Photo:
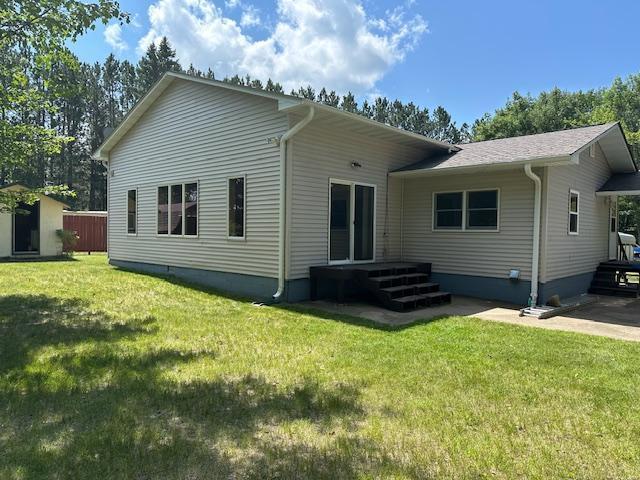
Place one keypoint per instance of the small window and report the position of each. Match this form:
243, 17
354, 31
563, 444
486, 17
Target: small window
176, 209
191, 209
482, 210
236, 207
574, 212
448, 211
163, 210
132, 209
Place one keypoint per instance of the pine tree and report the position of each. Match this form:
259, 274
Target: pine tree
273, 87
148, 70
349, 103
111, 77
167, 60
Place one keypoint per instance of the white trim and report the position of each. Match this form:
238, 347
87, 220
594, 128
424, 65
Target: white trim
512, 165
618, 193
243, 176
465, 198
576, 213
85, 213
352, 206
135, 233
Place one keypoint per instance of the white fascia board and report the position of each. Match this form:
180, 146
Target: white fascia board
535, 162
630, 193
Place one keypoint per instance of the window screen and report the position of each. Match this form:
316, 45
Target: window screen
482, 210
191, 209
176, 210
448, 211
132, 210
236, 207
163, 210
574, 212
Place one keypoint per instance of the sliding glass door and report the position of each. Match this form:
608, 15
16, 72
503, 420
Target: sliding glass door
351, 222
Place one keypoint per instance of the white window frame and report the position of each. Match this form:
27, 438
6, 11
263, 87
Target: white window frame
135, 234
183, 234
352, 203
576, 213
465, 196
244, 208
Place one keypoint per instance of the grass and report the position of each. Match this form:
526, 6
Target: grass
106, 373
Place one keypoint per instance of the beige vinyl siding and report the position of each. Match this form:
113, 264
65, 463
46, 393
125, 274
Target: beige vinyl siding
485, 254
5, 234
50, 222
568, 255
199, 133
320, 152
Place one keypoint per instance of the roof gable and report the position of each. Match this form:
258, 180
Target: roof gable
286, 103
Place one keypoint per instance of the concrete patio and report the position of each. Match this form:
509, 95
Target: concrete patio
609, 317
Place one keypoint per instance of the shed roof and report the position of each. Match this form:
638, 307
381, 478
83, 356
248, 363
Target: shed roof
542, 148
20, 187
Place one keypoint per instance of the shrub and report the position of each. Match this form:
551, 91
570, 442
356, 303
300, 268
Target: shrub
69, 240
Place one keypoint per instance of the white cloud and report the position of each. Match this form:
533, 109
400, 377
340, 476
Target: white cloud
332, 43
113, 36
250, 16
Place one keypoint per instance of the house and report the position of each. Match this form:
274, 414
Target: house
246, 190
31, 232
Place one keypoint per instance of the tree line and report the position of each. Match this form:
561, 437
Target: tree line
55, 110
558, 109
88, 99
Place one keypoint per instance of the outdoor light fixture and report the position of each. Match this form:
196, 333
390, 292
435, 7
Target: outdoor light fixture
514, 275
356, 165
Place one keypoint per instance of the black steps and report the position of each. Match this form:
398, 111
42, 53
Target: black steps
616, 279
403, 289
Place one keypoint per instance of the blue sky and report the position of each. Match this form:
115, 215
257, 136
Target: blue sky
467, 56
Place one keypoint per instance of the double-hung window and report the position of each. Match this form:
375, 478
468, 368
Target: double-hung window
448, 210
132, 212
482, 210
475, 210
236, 204
574, 212
178, 209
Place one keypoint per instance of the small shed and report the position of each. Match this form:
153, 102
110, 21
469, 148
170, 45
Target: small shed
31, 234
91, 228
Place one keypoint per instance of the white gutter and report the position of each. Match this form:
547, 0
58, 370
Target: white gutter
535, 261
282, 217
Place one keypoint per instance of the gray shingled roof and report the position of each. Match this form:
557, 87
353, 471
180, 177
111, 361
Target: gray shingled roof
622, 182
514, 149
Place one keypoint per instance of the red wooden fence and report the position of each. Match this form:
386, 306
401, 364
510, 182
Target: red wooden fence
91, 227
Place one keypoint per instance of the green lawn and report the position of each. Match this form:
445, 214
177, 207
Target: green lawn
110, 374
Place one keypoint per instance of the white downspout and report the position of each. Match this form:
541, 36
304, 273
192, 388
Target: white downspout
535, 261
282, 217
